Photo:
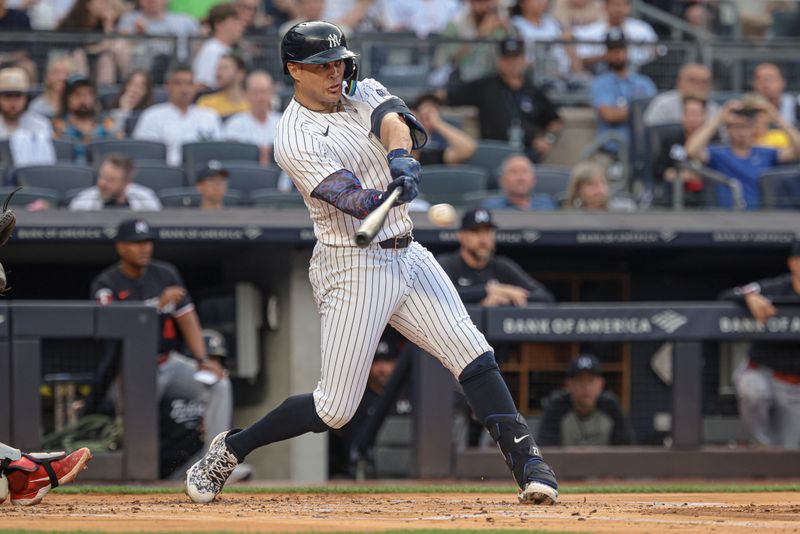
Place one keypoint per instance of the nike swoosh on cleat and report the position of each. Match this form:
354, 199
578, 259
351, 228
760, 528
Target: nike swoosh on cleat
517, 440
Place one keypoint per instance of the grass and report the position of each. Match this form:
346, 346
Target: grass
506, 488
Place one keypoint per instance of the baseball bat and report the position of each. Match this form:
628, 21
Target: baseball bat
373, 222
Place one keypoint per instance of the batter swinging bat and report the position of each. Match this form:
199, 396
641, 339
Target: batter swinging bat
374, 221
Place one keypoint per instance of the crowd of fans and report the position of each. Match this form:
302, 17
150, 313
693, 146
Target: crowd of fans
210, 91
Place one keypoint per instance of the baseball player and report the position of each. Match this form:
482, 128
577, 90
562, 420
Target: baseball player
346, 146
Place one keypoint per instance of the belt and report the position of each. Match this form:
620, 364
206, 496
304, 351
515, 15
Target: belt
396, 242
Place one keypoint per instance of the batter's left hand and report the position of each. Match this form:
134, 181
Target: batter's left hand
402, 164
410, 190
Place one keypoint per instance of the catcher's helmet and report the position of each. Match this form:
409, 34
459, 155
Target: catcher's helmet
317, 42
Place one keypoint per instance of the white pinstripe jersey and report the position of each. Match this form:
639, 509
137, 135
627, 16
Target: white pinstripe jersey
310, 146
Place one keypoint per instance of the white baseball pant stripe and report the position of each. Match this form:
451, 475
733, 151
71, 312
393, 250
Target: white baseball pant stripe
359, 291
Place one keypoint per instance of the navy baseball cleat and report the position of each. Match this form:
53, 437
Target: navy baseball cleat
205, 479
536, 480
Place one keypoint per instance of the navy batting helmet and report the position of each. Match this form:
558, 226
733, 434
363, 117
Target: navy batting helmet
317, 42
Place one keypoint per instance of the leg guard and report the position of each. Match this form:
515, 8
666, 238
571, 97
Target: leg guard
536, 480
35, 474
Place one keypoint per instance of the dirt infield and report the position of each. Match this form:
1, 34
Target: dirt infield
650, 512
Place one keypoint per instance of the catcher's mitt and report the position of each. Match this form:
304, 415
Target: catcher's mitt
8, 220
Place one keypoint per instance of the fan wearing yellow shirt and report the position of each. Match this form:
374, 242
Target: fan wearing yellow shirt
230, 98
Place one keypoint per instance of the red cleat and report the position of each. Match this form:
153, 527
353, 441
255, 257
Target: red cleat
35, 474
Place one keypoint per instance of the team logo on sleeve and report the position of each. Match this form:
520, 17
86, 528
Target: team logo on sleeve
104, 296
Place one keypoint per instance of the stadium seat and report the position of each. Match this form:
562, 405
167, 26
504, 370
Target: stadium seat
780, 187
448, 183
195, 155
133, 148
272, 198
26, 195
159, 177
65, 151
489, 155
61, 178
552, 180
247, 179
188, 197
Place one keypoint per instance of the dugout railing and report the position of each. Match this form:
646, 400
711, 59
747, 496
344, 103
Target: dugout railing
40, 339
687, 325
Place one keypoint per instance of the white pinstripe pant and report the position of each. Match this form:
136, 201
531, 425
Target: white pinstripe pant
359, 291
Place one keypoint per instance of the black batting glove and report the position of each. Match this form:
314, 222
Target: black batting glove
402, 164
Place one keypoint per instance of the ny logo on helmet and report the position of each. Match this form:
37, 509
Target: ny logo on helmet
334, 40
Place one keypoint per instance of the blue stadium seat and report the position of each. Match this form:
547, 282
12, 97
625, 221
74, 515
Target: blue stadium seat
247, 179
65, 151
133, 148
195, 155
552, 180
448, 183
159, 177
780, 187
489, 155
272, 198
61, 178
26, 195
188, 197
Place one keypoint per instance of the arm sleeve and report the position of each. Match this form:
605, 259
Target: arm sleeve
173, 278
344, 191
372, 93
511, 273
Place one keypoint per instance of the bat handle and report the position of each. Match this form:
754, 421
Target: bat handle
374, 221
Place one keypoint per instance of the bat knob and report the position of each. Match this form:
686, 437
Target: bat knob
362, 239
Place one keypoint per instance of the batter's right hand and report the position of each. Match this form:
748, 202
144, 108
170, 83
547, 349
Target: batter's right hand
410, 190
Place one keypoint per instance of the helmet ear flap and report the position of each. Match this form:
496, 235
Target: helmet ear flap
350, 69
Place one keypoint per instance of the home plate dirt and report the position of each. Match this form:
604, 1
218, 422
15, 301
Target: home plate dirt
644, 512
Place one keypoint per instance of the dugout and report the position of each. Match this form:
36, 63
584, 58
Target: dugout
581, 257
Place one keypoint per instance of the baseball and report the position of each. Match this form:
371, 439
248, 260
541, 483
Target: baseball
442, 214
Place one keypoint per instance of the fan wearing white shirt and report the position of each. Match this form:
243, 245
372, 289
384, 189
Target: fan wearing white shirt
178, 121
115, 189
256, 126
617, 16
226, 29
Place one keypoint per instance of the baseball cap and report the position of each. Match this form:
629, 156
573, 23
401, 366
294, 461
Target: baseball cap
14, 80
512, 47
615, 39
75, 81
585, 363
132, 230
210, 169
795, 248
215, 343
476, 218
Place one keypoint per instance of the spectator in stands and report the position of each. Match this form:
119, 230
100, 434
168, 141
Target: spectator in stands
152, 18
670, 151
13, 19
693, 80
178, 121
768, 384
480, 276
136, 96
81, 123
182, 398
446, 144
251, 15
423, 17
572, 13
614, 91
229, 97
226, 30
115, 189
766, 135
59, 68
257, 124
584, 413
768, 81
518, 181
28, 133
741, 160
510, 107
212, 184
588, 190
477, 20
306, 10
354, 14
535, 24
617, 18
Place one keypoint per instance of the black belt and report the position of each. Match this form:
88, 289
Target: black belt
396, 242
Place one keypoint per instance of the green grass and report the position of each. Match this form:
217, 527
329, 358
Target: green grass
506, 488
